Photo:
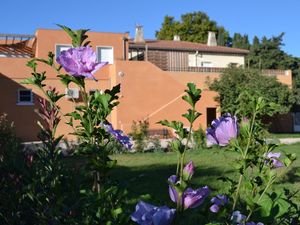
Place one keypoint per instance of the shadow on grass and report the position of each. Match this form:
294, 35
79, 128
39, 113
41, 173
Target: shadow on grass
150, 182
292, 176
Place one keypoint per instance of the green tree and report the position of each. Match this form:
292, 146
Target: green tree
235, 81
192, 27
240, 41
170, 28
267, 53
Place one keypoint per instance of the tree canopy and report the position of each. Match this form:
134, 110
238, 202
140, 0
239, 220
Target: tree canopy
240, 41
192, 27
264, 53
235, 81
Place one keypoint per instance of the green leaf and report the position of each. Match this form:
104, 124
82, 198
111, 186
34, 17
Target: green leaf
32, 64
265, 204
177, 126
193, 94
117, 212
191, 115
78, 37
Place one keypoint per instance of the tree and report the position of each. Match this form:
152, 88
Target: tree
240, 41
235, 81
170, 28
267, 53
193, 27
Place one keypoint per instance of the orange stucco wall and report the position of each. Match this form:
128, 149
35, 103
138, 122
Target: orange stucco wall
153, 94
24, 116
147, 92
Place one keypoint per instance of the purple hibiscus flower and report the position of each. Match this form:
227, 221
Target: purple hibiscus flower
147, 214
238, 217
218, 202
253, 223
273, 157
118, 135
222, 131
193, 198
190, 198
188, 171
172, 192
80, 61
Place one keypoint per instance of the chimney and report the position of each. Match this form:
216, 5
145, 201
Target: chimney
139, 34
211, 40
176, 38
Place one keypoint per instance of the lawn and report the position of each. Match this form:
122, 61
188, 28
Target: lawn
284, 135
147, 173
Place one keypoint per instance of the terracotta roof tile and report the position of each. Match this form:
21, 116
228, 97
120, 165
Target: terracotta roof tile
186, 46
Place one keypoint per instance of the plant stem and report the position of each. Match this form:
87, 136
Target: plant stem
260, 197
237, 192
54, 105
86, 102
178, 163
244, 157
185, 148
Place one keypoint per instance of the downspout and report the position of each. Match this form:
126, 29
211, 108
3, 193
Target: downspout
125, 39
146, 52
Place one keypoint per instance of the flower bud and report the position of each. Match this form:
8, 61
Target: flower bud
188, 171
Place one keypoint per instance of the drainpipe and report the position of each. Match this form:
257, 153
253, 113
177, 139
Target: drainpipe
146, 52
125, 39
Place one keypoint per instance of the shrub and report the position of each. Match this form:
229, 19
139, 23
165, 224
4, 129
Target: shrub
139, 134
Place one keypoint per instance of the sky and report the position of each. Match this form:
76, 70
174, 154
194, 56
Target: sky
253, 17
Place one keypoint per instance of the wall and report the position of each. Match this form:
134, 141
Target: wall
48, 39
179, 60
221, 60
147, 92
24, 116
150, 93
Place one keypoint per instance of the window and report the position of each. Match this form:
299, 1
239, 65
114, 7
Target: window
105, 54
92, 91
72, 93
233, 65
206, 64
60, 48
25, 97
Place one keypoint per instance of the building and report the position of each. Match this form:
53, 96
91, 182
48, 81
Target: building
152, 73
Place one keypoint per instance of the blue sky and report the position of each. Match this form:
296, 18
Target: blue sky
252, 17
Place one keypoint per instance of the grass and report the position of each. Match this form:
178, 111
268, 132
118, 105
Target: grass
284, 135
146, 174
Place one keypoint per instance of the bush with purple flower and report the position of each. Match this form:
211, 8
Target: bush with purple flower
118, 135
147, 214
80, 61
100, 199
222, 130
273, 158
218, 202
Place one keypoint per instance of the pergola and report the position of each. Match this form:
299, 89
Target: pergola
16, 45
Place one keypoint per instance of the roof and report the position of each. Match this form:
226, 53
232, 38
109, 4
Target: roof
186, 46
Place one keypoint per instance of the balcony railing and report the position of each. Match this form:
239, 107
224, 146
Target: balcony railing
197, 69
220, 70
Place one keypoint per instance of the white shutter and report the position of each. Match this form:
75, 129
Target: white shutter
105, 54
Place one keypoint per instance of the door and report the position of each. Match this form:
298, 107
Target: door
211, 115
297, 122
